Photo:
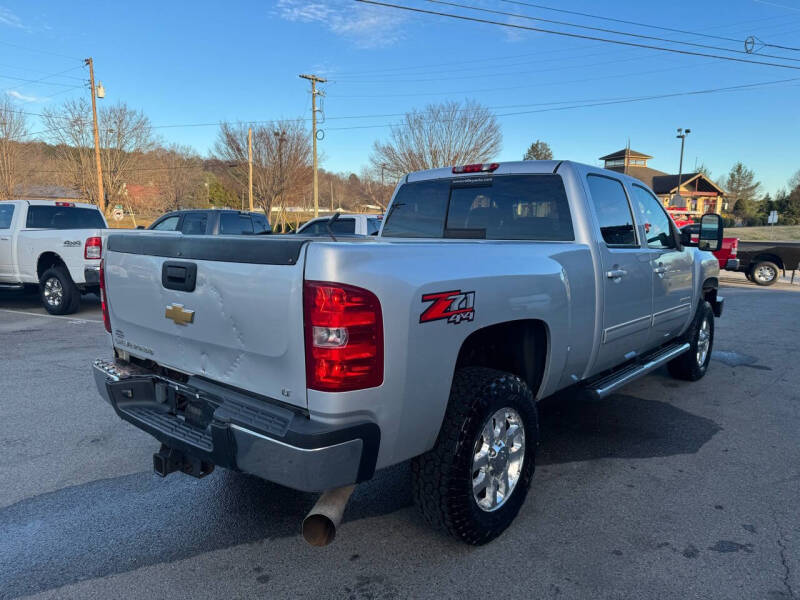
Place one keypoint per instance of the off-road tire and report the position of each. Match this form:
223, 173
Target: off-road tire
442, 477
70, 294
687, 366
767, 265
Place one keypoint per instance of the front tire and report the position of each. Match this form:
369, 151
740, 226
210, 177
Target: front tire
59, 294
475, 479
765, 273
692, 365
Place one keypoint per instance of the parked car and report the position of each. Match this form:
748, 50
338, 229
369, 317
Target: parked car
727, 255
345, 224
212, 222
56, 246
313, 362
762, 262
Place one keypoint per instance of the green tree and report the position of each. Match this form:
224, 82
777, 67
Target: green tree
538, 150
742, 189
221, 196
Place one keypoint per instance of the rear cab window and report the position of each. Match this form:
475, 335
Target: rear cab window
231, 223
501, 207
63, 217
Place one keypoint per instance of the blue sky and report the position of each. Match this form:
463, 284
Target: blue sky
202, 62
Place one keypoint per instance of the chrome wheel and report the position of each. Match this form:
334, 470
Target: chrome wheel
765, 274
703, 342
53, 292
497, 459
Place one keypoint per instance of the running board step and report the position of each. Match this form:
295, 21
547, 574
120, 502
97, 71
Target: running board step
603, 387
12, 286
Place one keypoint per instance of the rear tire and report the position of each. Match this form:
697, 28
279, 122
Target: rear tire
692, 365
59, 294
765, 273
475, 479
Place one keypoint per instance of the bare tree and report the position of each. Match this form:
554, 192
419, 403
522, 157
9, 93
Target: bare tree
124, 133
281, 157
439, 135
179, 175
13, 128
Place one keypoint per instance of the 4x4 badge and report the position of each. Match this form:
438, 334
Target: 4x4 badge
180, 315
454, 306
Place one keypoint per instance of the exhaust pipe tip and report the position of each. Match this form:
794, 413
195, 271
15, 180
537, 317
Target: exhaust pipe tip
318, 530
319, 526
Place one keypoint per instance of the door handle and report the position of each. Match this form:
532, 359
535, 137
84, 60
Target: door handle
660, 270
5, 239
616, 273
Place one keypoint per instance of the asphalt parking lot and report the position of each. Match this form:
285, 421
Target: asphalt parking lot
666, 490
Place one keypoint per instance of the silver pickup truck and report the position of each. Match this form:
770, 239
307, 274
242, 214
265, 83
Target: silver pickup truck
312, 362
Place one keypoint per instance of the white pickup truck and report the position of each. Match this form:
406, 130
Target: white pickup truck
55, 245
311, 362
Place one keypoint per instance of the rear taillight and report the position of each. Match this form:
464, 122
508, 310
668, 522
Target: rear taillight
93, 248
476, 168
104, 298
735, 247
344, 337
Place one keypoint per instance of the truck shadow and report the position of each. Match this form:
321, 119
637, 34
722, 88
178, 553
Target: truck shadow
117, 525
621, 426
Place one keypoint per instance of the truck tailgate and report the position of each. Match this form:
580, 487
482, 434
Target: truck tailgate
241, 324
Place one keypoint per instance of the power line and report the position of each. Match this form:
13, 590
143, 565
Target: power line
611, 19
604, 30
40, 51
58, 83
42, 79
576, 35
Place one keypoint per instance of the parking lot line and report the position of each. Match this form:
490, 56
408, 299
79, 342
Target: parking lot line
33, 314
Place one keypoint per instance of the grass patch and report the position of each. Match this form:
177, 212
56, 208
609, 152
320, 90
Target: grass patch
766, 232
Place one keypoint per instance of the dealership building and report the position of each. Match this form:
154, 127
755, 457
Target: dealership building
700, 194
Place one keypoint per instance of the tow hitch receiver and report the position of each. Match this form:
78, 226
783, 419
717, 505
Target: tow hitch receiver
168, 460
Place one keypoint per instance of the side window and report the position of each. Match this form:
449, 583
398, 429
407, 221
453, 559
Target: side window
373, 226
194, 224
168, 224
6, 214
657, 228
232, 223
613, 210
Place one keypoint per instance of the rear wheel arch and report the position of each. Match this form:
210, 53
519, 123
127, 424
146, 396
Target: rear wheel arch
48, 260
767, 257
517, 347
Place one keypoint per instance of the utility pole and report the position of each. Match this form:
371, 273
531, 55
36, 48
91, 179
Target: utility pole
682, 133
250, 165
314, 81
101, 198
281, 137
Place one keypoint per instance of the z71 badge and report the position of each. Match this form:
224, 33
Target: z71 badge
455, 306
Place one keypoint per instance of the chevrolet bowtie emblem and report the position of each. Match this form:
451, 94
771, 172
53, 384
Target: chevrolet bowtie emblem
180, 315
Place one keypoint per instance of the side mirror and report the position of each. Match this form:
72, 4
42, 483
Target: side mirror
710, 233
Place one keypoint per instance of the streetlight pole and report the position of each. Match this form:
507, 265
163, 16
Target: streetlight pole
97, 93
682, 133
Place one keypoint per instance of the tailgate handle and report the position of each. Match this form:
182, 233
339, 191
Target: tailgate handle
177, 275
